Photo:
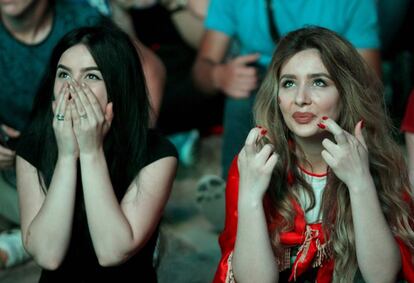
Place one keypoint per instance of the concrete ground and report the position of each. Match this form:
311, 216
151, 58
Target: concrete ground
189, 250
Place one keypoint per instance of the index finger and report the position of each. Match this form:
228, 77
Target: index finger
336, 130
246, 59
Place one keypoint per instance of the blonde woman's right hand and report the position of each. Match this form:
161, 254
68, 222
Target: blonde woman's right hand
62, 124
255, 165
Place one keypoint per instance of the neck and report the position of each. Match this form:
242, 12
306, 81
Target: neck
312, 148
32, 25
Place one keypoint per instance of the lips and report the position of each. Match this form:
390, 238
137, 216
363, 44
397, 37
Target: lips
303, 117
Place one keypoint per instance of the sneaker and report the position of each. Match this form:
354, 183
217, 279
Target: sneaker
210, 199
186, 144
12, 252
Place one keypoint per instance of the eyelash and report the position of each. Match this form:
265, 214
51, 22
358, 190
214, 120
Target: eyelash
320, 81
62, 74
95, 77
316, 82
65, 75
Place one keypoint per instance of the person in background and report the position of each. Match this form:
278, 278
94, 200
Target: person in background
99, 178
172, 29
319, 191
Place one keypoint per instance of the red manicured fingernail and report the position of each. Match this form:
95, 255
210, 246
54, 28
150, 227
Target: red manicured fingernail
362, 124
325, 118
322, 126
263, 132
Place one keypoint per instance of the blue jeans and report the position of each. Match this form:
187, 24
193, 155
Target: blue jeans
237, 122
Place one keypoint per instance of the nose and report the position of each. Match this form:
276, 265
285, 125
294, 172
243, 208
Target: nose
302, 96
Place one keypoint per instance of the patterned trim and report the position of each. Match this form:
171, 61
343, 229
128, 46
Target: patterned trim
230, 275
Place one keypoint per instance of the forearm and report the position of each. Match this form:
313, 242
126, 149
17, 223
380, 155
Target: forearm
110, 231
377, 251
205, 74
155, 76
253, 259
48, 235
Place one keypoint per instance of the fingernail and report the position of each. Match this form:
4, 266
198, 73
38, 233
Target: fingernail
322, 126
362, 124
325, 118
263, 132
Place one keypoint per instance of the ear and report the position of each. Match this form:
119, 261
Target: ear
109, 113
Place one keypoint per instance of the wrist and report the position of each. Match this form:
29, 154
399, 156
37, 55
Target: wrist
67, 158
216, 76
250, 201
91, 155
363, 185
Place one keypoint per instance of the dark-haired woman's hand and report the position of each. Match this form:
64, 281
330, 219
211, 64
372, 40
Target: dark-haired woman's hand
255, 165
90, 123
348, 157
62, 125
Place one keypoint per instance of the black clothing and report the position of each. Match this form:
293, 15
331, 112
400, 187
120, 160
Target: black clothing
81, 263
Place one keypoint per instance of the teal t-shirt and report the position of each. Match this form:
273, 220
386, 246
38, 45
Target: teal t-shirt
247, 22
22, 66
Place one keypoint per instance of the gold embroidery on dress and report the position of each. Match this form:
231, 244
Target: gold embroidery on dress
230, 275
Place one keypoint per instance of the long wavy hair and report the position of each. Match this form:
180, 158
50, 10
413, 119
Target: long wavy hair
361, 97
126, 142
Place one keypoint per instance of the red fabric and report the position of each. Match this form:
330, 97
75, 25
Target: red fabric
407, 124
227, 238
307, 255
296, 237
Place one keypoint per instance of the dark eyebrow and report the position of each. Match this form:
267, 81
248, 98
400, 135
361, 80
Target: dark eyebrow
60, 66
83, 70
320, 75
316, 75
287, 76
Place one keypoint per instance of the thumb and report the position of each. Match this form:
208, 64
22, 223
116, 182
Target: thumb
10, 131
358, 133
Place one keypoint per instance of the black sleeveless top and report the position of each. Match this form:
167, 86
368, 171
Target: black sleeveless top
80, 263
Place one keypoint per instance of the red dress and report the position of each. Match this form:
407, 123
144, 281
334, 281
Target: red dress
313, 249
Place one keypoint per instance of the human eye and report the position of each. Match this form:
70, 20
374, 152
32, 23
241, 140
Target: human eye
91, 76
287, 83
319, 82
63, 75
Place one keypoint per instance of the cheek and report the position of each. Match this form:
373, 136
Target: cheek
332, 107
57, 88
284, 103
100, 94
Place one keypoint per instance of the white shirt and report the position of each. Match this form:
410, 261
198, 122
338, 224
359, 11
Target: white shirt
318, 183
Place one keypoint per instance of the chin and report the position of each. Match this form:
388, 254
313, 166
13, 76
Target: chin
305, 131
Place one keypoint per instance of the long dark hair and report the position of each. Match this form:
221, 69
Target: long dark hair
126, 142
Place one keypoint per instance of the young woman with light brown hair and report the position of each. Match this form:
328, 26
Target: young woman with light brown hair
319, 191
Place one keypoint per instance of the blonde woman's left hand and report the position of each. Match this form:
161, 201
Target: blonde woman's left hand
90, 123
348, 157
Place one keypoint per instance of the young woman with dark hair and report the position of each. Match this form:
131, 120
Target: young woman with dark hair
319, 191
93, 180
